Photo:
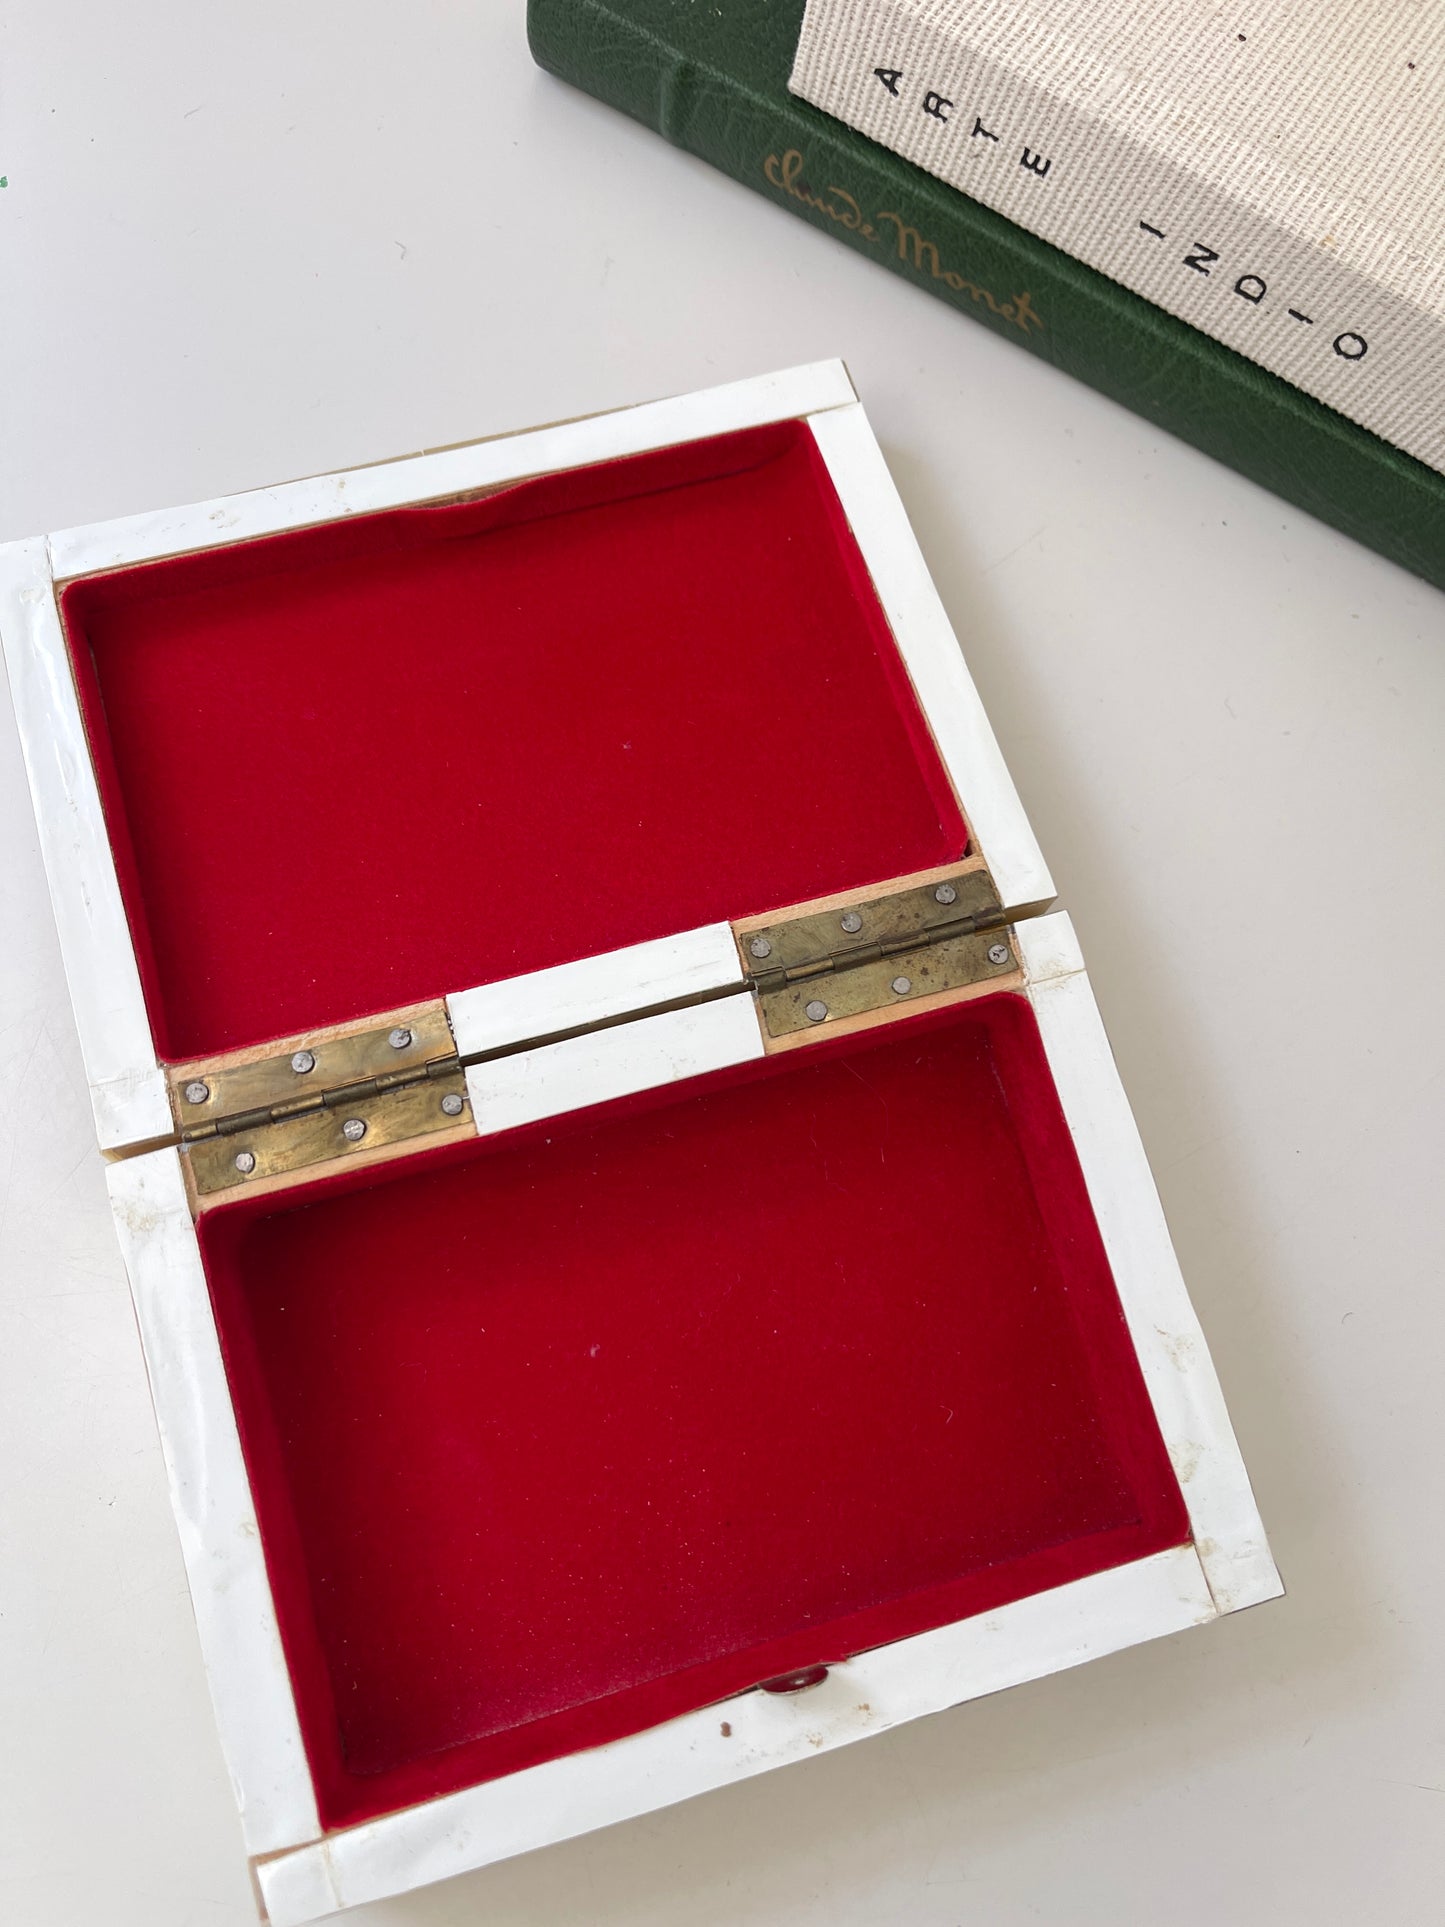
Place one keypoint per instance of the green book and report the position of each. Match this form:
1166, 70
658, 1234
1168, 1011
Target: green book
711, 76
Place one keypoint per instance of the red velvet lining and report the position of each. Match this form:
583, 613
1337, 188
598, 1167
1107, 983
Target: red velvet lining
366, 764
556, 1437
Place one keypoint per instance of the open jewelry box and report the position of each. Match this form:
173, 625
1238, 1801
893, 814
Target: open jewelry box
645, 1265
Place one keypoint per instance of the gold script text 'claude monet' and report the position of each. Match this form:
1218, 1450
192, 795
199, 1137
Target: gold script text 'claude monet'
914, 250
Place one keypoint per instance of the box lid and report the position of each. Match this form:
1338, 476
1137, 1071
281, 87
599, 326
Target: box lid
352, 744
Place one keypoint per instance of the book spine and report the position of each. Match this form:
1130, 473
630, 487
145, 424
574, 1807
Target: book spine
686, 79
912, 77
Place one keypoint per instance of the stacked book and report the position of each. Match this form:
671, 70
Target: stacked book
1230, 218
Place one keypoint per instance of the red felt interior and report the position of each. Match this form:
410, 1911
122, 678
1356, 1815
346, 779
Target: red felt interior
558, 1436
376, 762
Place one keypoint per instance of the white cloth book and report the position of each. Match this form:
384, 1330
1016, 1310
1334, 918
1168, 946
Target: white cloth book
1272, 173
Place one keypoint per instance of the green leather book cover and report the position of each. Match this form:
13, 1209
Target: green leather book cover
712, 78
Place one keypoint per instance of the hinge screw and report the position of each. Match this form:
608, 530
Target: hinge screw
452, 1104
998, 953
400, 1039
760, 947
901, 986
245, 1162
945, 893
354, 1130
303, 1061
851, 922
815, 1012
196, 1092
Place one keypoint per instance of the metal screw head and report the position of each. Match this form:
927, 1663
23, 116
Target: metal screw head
760, 947
815, 1012
945, 893
303, 1061
354, 1130
901, 986
452, 1104
998, 953
851, 921
400, 1038
196, 1092
245, 1162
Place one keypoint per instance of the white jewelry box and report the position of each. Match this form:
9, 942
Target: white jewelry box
645, 1266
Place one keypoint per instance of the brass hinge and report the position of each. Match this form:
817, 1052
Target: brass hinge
337, 1095
886, 951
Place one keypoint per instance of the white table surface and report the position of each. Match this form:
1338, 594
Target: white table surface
242, 244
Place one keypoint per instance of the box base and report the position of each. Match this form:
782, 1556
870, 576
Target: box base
556, 1437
